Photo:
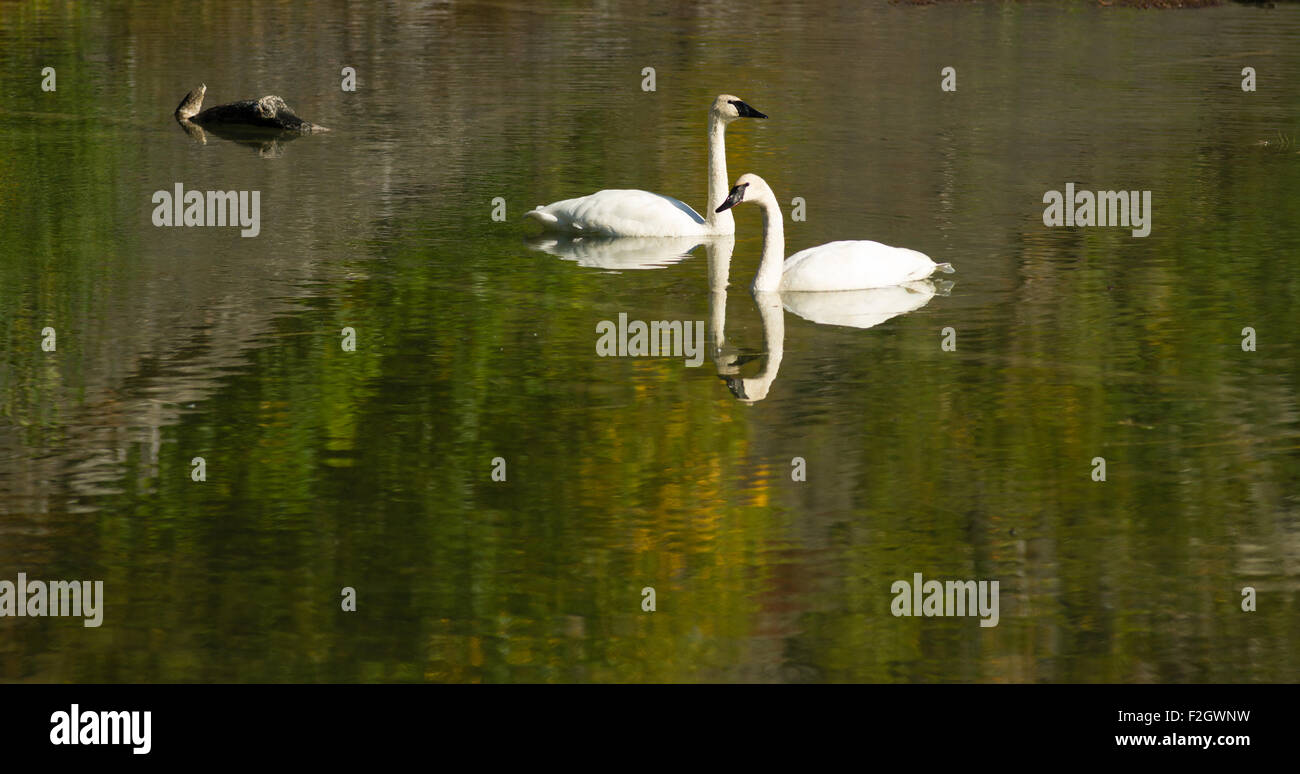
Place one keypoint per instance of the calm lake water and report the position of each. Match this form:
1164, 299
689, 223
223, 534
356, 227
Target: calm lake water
373, 469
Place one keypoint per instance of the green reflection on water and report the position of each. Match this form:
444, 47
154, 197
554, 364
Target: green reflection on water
371, 469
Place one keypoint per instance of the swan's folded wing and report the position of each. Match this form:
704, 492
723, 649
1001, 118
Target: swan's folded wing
621, 212
854, 264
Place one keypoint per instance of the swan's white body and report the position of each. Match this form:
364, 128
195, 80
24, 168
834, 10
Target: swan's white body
626, 212
620, 212
846, 265
857, 265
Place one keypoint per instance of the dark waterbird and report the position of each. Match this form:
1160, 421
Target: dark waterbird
259, 122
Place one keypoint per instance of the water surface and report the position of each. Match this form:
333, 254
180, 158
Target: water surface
371, 469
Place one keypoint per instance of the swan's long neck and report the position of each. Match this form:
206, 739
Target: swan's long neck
772, 263
719, 184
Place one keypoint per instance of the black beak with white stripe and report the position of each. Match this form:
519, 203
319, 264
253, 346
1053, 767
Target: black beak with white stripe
736, 196
745, 110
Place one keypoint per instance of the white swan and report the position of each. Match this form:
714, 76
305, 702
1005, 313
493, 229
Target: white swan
625, 212
849, 308
848, 265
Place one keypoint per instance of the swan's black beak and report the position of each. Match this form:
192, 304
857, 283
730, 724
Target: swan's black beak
736, 196
736, 385
745, 110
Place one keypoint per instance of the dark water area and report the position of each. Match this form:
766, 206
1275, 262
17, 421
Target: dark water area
372, 469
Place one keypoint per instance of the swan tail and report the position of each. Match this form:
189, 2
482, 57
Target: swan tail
542, 216
551, 222
946, 268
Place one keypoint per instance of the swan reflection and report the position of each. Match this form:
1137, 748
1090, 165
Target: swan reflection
618, 253
862, 308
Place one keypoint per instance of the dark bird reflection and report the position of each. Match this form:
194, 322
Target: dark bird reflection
267, 142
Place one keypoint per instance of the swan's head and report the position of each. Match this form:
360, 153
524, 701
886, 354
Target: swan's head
748, 188
729, 108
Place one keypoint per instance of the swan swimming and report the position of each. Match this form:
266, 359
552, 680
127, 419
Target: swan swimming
846, 265
626, 212
864, 308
